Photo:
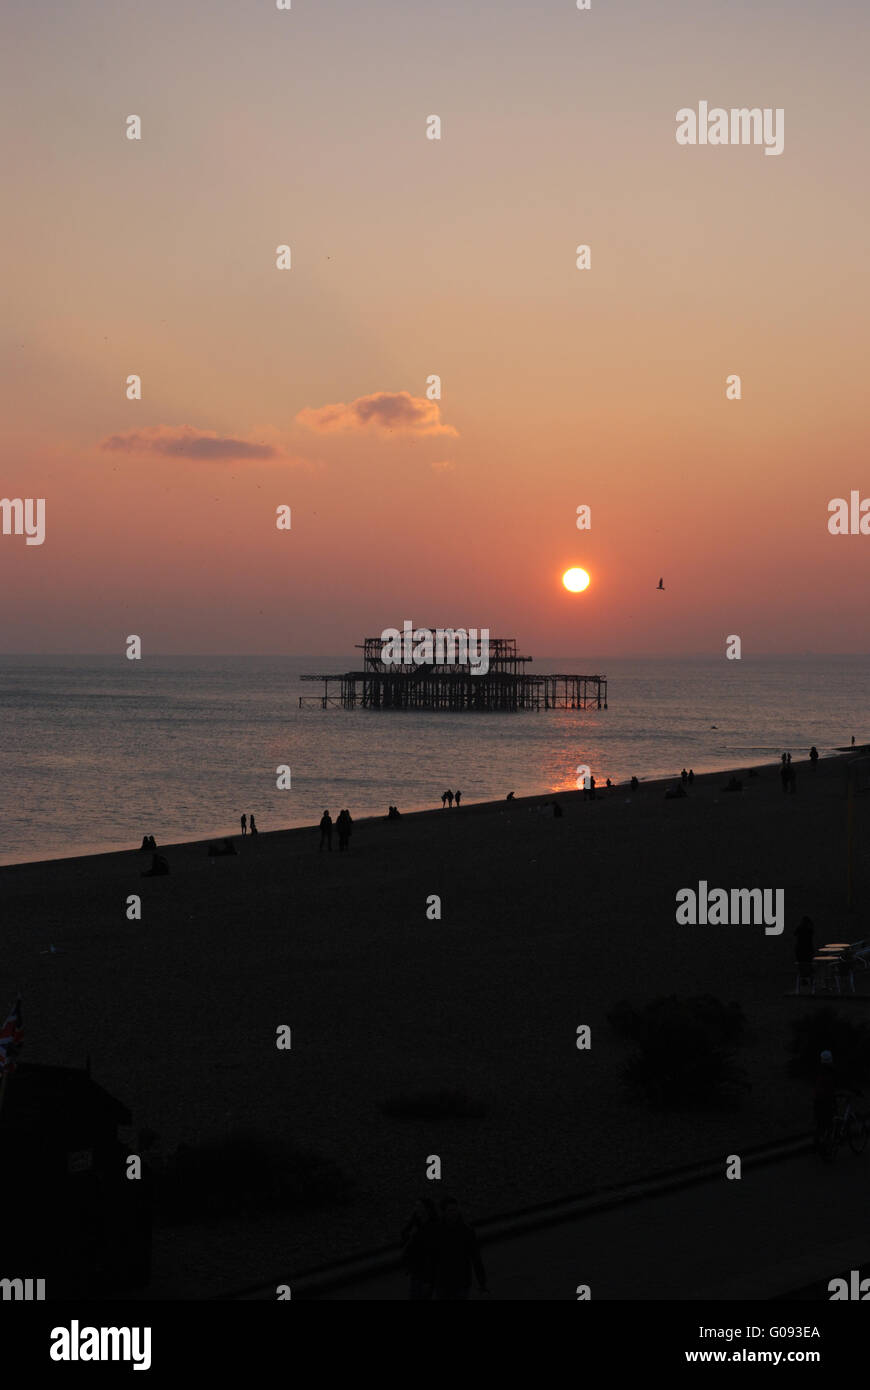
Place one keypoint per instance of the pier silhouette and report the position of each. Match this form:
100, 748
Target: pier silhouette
454, 685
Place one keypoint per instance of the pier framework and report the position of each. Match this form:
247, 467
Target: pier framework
506, 685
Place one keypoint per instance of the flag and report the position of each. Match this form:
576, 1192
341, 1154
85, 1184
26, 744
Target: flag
11, 1040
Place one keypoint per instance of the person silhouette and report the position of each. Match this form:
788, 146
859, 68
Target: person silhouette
443, 801
691, 776
804, 951
343, 825
449, 800
254, 830
457, 1255
814, 755
684, 776
326, 831
244, 824
661, 584
824, 1102
457, 796
419, 1244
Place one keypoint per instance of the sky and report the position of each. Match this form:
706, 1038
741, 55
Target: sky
307, 387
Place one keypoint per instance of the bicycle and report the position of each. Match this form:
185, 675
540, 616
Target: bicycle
846, 1127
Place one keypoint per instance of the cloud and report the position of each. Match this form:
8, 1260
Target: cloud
385, 412
183, 441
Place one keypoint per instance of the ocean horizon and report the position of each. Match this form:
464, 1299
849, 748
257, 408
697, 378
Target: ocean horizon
102, 750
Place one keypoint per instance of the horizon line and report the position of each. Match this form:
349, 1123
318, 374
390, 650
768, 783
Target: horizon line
625, 656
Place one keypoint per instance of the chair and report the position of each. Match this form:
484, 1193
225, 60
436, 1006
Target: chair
844, 970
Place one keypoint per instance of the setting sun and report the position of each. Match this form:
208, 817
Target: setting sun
575, 580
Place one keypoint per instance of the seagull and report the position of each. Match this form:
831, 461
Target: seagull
661, 585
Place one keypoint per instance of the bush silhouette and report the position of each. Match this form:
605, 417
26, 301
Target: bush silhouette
242, 1173
826, 1029
685, 1057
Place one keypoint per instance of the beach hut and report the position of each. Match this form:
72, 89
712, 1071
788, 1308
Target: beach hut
71, 1215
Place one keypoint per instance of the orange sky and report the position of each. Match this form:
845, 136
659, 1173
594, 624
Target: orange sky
412, 257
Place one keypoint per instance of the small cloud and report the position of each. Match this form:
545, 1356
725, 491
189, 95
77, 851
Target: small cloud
386, 412
183, 441
443, 466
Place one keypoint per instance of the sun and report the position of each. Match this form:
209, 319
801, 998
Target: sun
575, 580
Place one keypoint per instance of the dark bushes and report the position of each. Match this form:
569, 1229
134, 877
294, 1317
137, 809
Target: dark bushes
243, 1174
685, 1050
825, 1029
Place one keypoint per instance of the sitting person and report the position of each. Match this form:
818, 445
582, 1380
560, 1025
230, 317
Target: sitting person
159, 867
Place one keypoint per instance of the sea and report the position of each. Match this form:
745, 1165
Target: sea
100, 750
